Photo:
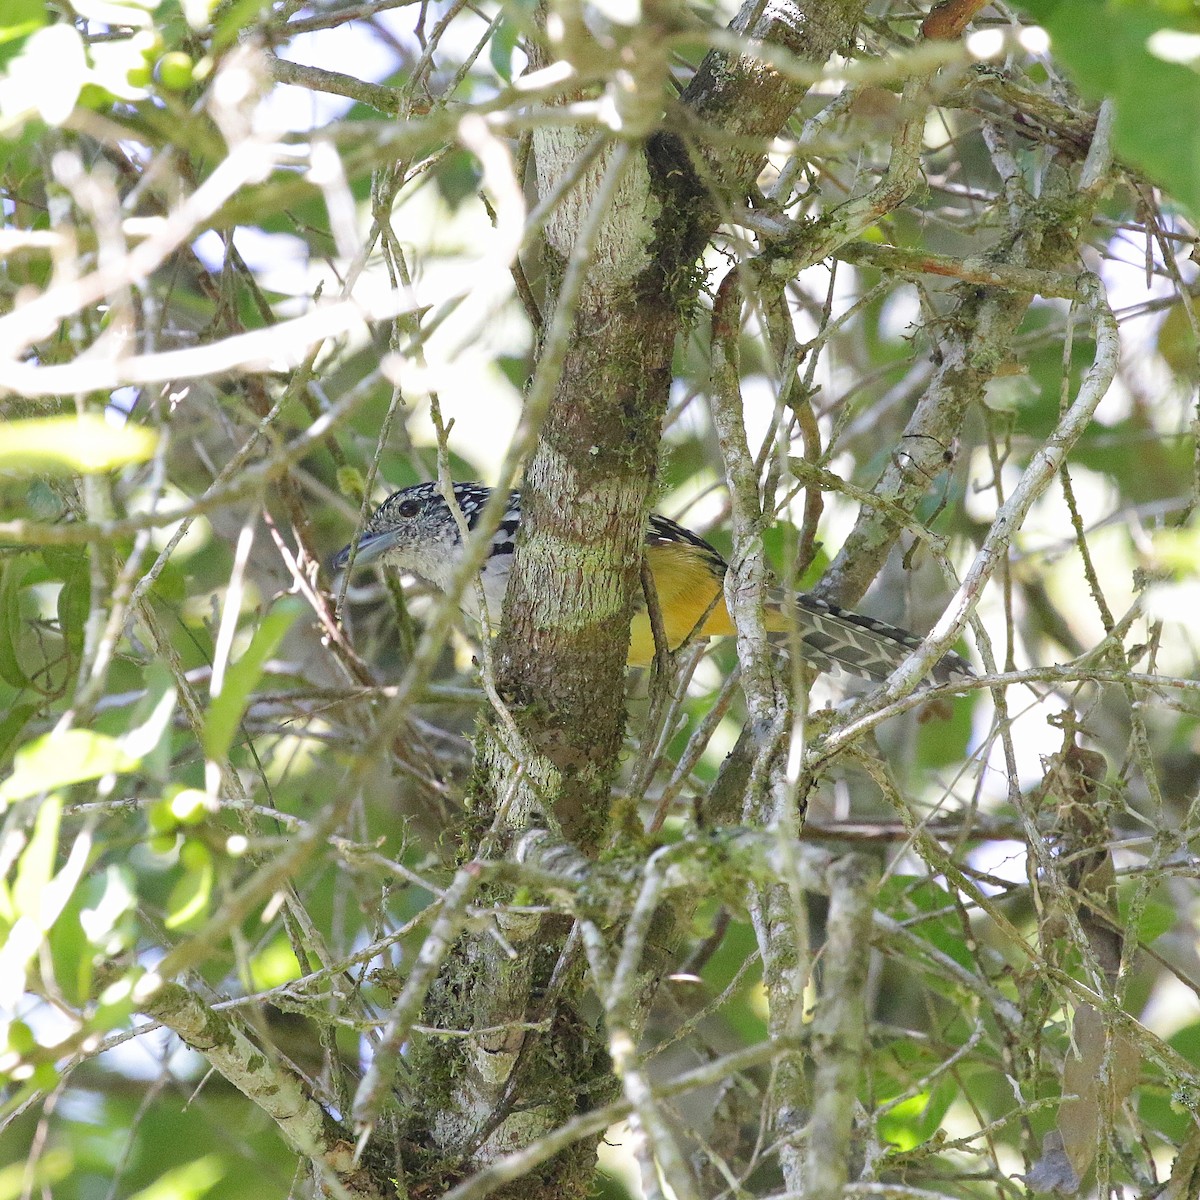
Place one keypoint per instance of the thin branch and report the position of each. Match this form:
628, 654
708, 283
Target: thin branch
384, 99
273, 1087
839, 1034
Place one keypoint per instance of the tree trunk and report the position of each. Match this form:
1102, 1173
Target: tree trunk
642, 216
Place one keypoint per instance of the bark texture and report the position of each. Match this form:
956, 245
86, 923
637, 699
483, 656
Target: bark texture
560, 656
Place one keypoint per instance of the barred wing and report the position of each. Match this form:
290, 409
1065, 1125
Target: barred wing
842, 641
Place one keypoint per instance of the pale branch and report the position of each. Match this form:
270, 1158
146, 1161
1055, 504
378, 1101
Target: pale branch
274, 348
271, 1085
811, 242
1037, 476
702, 864
520, 1163
380, 1076
249, 896
1065, 675
247, 481
774, 728
874, 1189
897, 935
38, 318
1185, 1171
779, 914
655, 1146
914, 264
746, 581
839, 1029
811, 475
374, 95
340, 16
973, 347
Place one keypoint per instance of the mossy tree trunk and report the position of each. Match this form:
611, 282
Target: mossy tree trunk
621, 260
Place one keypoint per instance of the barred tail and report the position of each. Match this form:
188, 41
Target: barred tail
839, 640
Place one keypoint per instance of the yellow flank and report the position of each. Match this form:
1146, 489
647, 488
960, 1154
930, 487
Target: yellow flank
686, 582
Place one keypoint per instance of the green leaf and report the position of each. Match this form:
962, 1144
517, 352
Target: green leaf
171, 584
1115, 48
1157, 918
44, 79
501, 47
234, 19
744, 1011
116, 1005
12, 723
19, 15
36, 868
916, 1119
225, 712
188, 1182
905, 896
149, 736
74, 605
190, 896
275, 964
83, 445
457, 176
12, 575
21, 1178
19, 19
55, 760
73, 959
21, 1039
105, 901
944, 731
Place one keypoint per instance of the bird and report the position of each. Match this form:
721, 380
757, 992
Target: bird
415, 531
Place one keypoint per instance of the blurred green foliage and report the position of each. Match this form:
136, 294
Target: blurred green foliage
172, 723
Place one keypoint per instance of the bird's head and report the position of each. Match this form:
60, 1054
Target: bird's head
412, 524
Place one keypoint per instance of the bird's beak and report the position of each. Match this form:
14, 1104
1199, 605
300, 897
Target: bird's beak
371, 547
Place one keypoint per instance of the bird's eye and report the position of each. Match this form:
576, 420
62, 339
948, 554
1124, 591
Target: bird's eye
409, 508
